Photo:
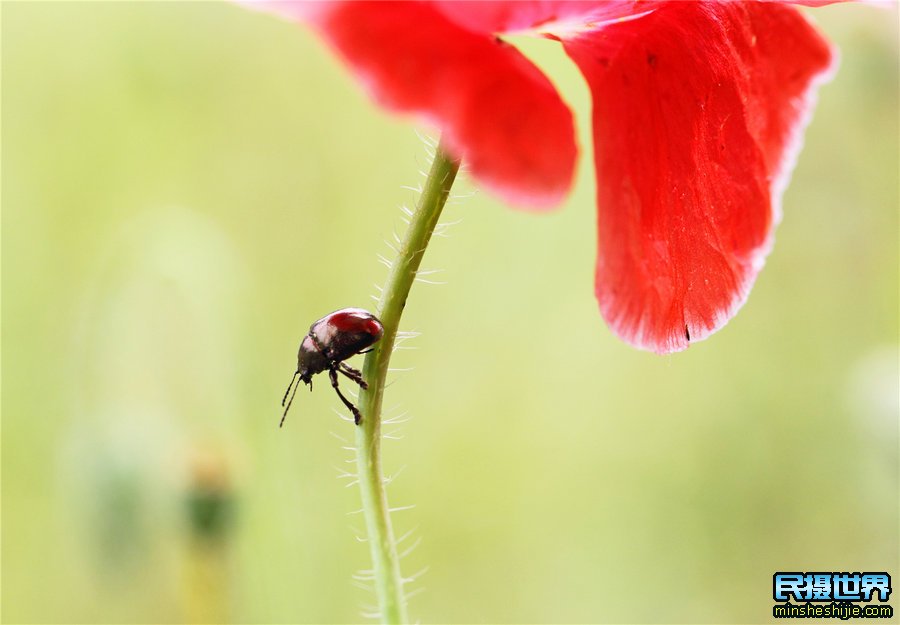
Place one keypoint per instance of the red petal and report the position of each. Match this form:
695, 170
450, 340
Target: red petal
551, 16
497, 111
698, 111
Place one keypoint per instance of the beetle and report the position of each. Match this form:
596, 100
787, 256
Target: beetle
330, 341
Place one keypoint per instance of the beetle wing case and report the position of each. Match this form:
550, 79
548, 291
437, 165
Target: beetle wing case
346, 332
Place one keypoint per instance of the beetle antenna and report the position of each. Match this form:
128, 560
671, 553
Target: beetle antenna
284, 399
281, 423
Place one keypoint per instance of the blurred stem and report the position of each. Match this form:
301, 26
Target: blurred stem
386, 564
210, 508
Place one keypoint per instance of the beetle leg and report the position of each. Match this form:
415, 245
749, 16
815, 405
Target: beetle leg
332, 373
353, 374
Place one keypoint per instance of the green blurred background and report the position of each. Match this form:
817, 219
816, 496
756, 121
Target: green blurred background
187, 186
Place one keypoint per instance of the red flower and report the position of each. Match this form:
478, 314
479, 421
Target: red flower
698, 113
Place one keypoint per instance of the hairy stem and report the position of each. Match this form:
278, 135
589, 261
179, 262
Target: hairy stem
386, 564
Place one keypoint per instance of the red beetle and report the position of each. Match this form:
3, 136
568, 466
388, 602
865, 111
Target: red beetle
331, 340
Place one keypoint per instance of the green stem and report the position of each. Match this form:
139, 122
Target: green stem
386, 564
